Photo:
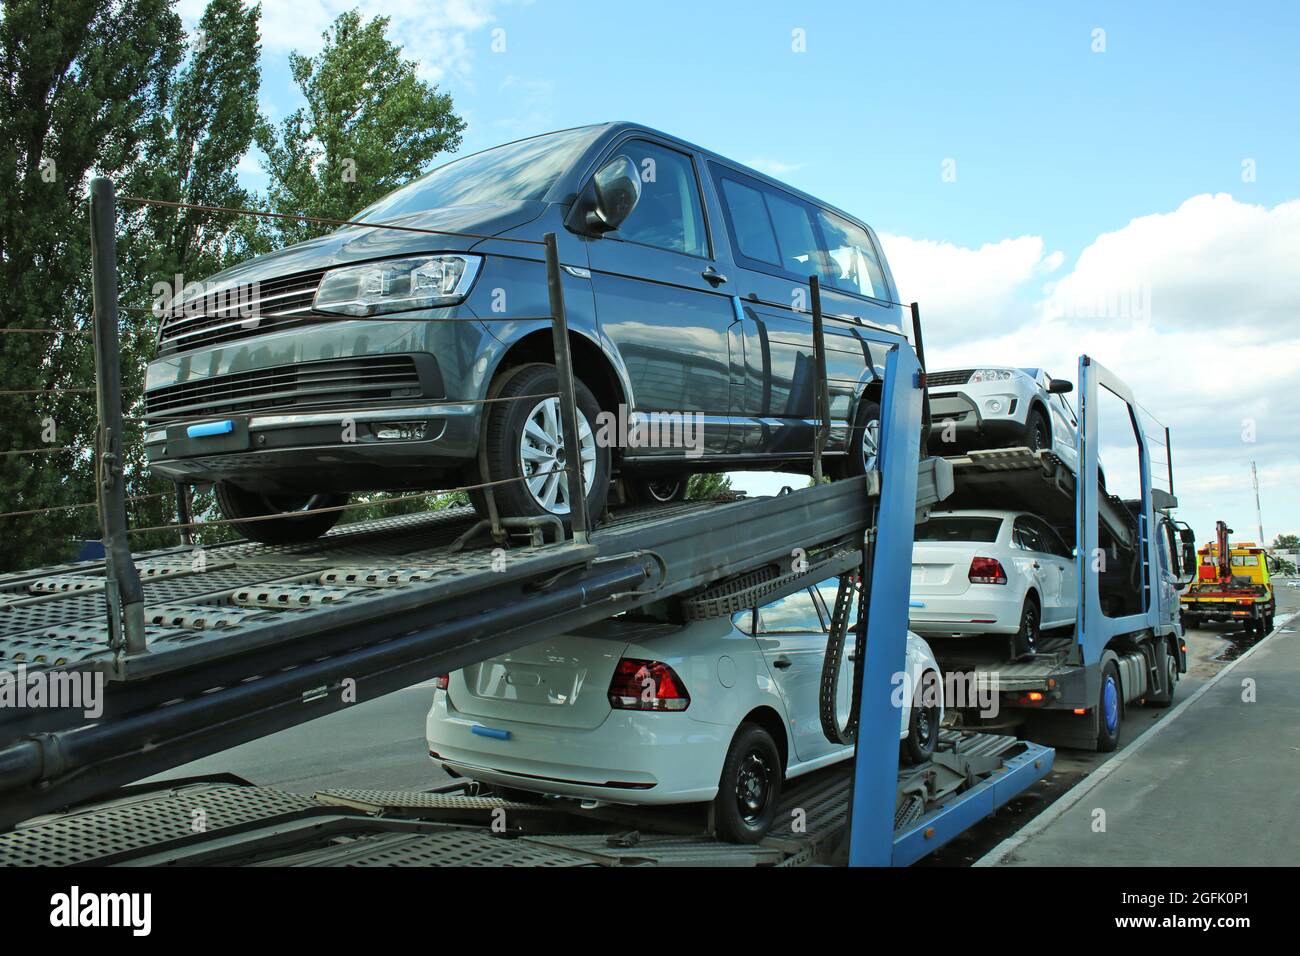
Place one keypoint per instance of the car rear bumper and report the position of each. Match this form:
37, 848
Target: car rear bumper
635, 758
966, 613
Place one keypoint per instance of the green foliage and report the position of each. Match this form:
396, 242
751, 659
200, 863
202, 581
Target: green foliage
80, 82
706, 486
1287, 542
370, 125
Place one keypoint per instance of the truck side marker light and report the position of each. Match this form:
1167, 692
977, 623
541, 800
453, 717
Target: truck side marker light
929, 832
1081, 710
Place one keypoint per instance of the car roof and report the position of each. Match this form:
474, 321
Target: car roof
977, 513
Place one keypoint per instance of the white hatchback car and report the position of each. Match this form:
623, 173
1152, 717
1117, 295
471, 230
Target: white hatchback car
636, 710
991, 572
997, 407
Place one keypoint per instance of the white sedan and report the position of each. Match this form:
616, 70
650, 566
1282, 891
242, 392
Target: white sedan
637, 710
991, 572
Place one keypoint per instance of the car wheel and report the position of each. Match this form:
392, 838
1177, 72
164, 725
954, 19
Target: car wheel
864, 442
922, 734
525, 448
1030, 628
749, 788
1038, 433
656, 491
1110, 709
238, 503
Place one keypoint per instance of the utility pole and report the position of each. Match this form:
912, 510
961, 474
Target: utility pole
1259, 515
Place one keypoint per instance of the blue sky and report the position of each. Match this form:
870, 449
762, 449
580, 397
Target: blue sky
1164, 168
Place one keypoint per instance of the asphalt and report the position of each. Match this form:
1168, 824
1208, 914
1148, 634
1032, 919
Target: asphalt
1215, 783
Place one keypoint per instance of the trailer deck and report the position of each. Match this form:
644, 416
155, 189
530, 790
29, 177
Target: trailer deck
455, 825
256, 638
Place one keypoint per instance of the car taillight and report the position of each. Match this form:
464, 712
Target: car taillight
646, 685
986, 571
440, 682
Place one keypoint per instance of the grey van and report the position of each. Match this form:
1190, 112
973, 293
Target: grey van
299, 377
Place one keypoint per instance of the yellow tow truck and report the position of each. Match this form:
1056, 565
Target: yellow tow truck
1232, 584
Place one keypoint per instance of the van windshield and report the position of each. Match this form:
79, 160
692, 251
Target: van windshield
513, 172
983, 530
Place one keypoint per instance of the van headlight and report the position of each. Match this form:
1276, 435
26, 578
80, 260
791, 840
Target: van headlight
397, 285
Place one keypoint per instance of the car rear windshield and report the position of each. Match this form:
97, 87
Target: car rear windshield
516, 171
959, 529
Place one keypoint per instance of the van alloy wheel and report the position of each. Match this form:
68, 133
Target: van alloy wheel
543, 457
871, 444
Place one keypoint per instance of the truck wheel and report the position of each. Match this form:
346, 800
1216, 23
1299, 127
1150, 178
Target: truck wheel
236, 503
750, 786
1110, 707
922, 734
656, 491
525, 442
1169, 666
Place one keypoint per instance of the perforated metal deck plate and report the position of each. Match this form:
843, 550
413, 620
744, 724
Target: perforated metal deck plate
114, 831
225, 600
459, 848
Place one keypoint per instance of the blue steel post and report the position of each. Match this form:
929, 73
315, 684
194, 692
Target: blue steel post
875, 770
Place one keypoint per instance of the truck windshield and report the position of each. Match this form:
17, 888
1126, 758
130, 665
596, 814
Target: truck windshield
514, 172
959, 529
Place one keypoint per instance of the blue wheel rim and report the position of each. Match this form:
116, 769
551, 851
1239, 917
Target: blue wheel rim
1110, 704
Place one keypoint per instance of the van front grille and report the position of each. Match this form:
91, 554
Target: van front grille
239, 312
311, 384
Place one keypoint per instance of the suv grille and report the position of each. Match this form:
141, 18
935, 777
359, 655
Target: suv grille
331, 382
960, 377
239, 312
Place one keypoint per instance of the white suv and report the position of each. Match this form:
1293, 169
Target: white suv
640, 711
996, 407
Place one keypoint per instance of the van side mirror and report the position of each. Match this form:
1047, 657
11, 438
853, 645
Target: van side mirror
608, 198
1059, 386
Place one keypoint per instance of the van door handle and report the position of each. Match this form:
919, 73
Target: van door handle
713, 276
782, 662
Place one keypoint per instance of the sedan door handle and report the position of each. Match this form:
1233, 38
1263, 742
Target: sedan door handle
713, 276
782, 662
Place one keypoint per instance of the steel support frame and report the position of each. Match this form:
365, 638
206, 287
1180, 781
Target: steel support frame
875, 769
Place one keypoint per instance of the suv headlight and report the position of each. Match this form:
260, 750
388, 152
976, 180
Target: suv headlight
397, 285
990, 375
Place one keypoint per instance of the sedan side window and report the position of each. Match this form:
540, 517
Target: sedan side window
1025, 535
795, 614
669, 214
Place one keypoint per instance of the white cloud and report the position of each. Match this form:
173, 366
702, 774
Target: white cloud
1210, 346
965, 291
434, 33
774, 167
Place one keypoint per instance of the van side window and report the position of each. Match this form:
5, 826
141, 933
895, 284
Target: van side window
771, 229
669, 214
854, 265
749, 222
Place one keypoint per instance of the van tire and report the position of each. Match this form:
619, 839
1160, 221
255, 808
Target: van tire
236, 503
504, 433
656, 491
854, 464
753, 754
